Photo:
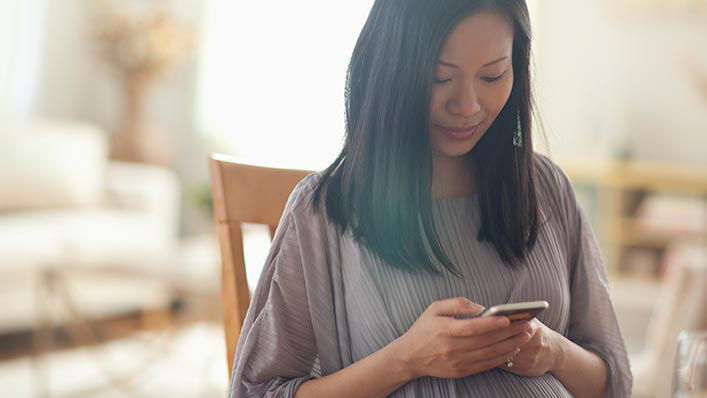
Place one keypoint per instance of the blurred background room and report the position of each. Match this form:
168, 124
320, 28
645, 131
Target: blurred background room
109, 259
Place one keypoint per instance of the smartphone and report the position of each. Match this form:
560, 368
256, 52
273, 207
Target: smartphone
518, 311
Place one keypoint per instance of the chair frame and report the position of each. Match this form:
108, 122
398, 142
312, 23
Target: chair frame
243, 192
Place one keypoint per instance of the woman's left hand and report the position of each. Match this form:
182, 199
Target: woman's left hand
541, 354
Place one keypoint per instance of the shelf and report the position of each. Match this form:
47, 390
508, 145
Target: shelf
655, 177
675, 177
633, 234
616, 189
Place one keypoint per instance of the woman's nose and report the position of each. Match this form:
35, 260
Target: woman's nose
464, 104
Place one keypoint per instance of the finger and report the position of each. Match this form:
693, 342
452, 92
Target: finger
478, 326
494, 350
486, 339
502, 334
455, 306
476, 366
534, 326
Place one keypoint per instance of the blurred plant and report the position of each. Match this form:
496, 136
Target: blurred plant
199, 196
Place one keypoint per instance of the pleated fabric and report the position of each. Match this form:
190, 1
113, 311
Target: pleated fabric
323, 301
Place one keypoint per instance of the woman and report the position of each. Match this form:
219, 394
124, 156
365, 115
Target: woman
436, 207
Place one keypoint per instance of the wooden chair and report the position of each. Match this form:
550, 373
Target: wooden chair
243, 193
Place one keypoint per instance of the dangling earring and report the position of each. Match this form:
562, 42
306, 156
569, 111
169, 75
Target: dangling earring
518, 135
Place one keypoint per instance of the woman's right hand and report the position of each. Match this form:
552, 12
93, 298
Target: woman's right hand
441, 346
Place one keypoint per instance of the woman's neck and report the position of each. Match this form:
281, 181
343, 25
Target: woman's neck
452, 177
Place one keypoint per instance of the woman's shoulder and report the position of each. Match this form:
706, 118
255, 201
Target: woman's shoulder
300, 201
551, 178
305, 217
548, 169
555, 190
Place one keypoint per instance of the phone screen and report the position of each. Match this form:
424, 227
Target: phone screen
518, 311
520, 315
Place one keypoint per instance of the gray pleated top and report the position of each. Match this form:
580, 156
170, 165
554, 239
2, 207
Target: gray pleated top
323, 301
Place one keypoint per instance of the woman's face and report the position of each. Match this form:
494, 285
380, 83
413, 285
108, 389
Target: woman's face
473, 80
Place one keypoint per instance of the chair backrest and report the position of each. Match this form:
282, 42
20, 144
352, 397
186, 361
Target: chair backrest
243, 193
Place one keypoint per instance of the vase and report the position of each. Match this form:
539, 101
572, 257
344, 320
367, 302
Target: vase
135, 140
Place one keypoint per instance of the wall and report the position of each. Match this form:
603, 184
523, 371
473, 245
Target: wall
605, 79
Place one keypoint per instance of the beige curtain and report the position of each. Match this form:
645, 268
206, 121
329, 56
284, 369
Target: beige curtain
21, 41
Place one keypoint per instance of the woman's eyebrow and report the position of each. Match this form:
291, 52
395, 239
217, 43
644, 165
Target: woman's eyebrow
451, 65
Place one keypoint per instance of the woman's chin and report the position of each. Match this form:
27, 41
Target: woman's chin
454, 151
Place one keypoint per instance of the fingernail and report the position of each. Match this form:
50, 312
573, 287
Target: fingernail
502, 321
517, 350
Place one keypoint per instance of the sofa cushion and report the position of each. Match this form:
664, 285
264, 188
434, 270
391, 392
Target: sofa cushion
83, 237
51, 164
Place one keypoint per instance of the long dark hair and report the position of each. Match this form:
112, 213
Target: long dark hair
380, 184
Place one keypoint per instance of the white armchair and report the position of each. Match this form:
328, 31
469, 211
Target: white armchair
64, 205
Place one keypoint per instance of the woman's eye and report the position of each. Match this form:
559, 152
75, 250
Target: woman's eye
492, 79
486, 79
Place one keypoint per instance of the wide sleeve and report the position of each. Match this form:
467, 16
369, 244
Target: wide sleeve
276, 350
593, 323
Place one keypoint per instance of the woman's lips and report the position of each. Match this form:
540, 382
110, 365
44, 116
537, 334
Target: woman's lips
459, 133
